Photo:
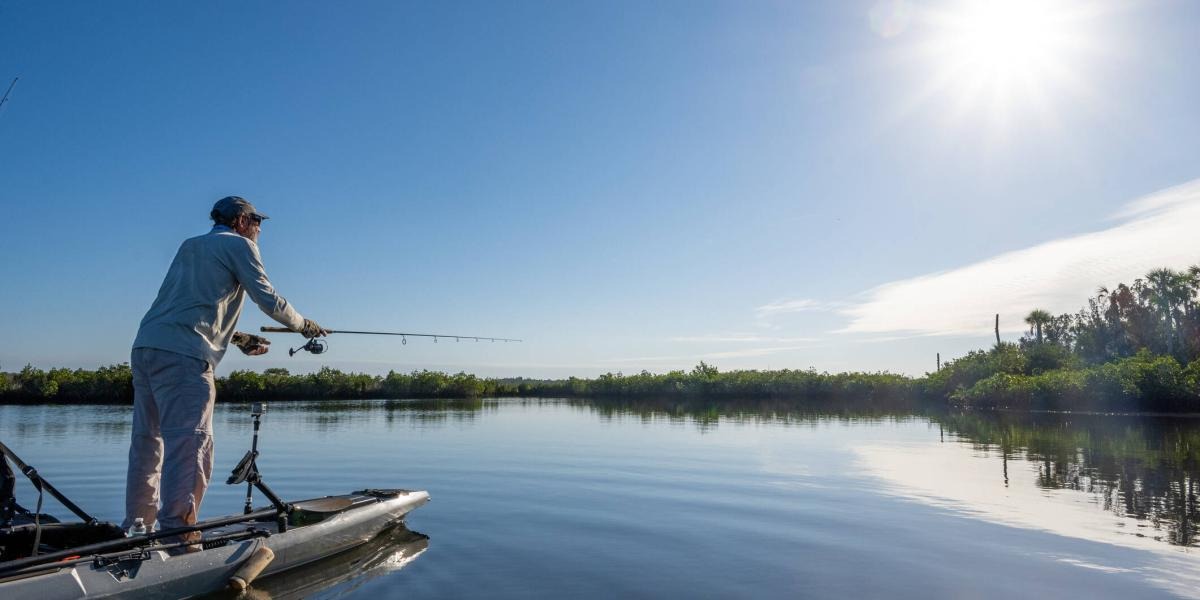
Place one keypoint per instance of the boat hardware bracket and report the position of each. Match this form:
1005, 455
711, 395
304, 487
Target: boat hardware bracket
224, 540
247, 472
122, 565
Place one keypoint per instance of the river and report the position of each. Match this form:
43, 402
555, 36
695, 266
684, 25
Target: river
557, 498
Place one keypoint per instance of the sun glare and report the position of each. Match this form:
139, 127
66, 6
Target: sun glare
1001, 56
999, 41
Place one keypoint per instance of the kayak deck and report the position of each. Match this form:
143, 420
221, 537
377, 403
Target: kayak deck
316, 529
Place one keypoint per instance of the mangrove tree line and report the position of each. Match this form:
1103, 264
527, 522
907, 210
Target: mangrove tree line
1133, 347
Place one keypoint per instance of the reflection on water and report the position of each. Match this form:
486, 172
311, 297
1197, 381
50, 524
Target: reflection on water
1140, 467
1124, 481
328, 416
1143, 468
111, 424
105, 423
530, 486
707, 415
340, 575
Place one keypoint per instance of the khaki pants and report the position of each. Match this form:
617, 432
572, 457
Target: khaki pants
171, 449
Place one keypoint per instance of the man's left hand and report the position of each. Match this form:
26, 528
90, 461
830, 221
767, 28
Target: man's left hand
251, 345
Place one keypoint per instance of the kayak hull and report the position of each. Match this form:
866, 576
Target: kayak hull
328, 526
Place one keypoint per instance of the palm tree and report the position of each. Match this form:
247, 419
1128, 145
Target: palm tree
1036, 319
1187, 284
1163, 290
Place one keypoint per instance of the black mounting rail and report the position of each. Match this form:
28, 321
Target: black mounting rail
13, 566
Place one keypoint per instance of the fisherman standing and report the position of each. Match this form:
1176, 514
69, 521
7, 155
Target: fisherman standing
179, 343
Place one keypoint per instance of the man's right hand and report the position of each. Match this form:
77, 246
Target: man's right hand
310, 329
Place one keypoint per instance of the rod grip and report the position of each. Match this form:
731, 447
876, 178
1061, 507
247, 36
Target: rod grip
276, 330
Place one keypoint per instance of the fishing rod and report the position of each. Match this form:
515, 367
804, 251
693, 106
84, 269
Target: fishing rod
9, 91
317, 345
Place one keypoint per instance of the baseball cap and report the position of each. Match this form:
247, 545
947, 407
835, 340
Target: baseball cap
232, 206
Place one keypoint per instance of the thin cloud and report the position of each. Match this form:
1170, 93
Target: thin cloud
754, 352
748, 338
1158, 230
780, 307
748, 352
881, 339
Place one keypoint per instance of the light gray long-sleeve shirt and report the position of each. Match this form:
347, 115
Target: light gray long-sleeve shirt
201, 297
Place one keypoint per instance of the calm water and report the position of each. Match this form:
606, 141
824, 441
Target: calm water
554, 499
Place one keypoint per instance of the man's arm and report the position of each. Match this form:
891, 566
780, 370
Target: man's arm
250, 273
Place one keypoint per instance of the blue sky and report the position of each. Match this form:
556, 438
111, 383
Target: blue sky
626, 186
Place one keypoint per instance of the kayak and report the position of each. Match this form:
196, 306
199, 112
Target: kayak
97, 560
43, 558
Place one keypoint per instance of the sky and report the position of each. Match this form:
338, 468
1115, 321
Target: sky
625, 186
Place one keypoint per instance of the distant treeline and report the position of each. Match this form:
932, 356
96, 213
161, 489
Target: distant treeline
1132, 348
113, 385
1000, 377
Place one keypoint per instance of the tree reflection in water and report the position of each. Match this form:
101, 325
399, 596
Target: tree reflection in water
1143, 467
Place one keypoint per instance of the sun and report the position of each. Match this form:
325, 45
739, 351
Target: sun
998, 42
1005, 56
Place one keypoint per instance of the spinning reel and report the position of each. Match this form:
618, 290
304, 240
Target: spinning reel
314, 345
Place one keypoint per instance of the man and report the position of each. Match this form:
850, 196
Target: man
179, 343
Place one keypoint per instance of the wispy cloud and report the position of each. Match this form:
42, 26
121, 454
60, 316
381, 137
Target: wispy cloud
740, 338
747, 352
1154, 231
780, 307
754, 352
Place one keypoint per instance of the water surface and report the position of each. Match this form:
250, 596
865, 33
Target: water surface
751, 499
